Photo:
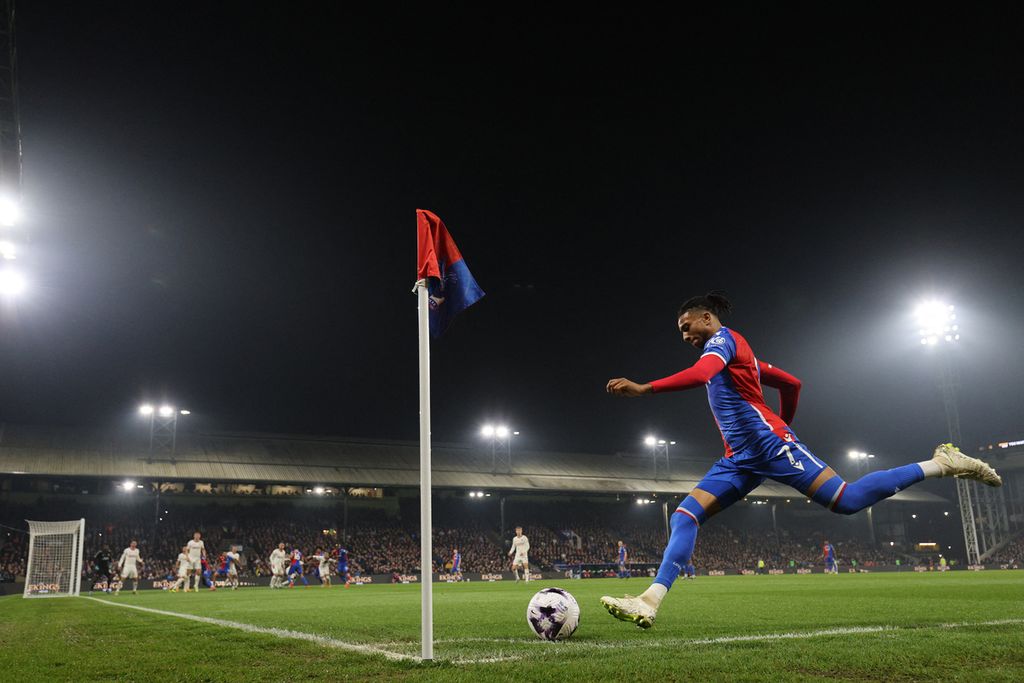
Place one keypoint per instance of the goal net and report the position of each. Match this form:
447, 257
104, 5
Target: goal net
54, 558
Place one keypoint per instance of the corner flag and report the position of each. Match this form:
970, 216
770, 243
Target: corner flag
444, 288
451, 286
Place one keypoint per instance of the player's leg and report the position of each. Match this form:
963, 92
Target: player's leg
795, 465
526, 571
723, 485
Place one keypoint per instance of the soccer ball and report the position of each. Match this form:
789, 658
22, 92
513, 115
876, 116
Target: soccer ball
553, 614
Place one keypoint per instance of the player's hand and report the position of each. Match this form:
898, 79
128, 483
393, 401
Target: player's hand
621, 386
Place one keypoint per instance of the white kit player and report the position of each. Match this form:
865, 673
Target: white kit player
184, 565
277, 558
520, 554
196, 555
323, 563
232, 561
129, 563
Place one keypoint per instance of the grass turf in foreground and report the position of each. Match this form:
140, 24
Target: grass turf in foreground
68, 639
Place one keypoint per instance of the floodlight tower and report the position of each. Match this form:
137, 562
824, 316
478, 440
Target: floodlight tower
11, 281
163, 427
659, 452
501, 446
938, 328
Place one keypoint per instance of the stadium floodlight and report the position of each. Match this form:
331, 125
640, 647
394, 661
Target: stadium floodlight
913, 516
946, 513
185, 412
661, 442
11, 283
515, 433
650, 440
501, 432
166, 411
10, 212
318, 490
139, 486
487, 430
936, 321
8, 251
128, 485
146, 409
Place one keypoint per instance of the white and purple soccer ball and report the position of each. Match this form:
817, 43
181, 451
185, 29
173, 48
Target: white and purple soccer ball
553, 614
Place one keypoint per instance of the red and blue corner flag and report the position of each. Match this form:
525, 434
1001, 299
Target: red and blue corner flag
451, 286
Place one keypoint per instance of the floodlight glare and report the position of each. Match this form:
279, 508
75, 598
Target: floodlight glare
661, 441
128, 485
650, 440
11, 283
515, 433
145, 409
319, 490
8, 251
935, 321
185, 412
488, 430
166, 411
501, 432
10, 213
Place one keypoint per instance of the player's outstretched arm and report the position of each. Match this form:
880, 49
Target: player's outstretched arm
788, 386
699, 374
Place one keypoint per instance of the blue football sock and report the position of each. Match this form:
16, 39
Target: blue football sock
680, 543
848, 498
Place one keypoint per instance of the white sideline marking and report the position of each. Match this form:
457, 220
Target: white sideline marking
279, 632
793, 635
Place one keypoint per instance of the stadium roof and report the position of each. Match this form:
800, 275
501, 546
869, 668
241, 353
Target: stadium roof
268, 458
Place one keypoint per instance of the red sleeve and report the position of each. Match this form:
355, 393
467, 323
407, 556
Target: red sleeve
699, 374
788, 386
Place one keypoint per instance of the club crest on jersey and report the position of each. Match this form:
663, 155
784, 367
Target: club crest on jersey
716, 340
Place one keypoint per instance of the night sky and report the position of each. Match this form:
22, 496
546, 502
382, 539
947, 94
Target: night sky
221, 204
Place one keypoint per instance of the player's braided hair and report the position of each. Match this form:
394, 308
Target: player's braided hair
714, 301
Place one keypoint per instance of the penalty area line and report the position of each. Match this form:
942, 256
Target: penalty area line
278, 632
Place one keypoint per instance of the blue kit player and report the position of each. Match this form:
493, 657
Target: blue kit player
295, 569
759, 445
829, 553
341, 554
623, 556
456, 565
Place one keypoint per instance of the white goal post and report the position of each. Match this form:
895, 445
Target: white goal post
55, 551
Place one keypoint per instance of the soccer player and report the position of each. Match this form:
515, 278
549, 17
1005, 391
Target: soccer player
829, 553
623, 556
520, 554
130, 559
229, 568
102, 567
323, 567
759, 444
295, 569
341, 554
277, 560
456, 565
208, 574
196, 555
184, 566
689, 572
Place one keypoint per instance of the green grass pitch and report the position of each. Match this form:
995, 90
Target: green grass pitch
954, 626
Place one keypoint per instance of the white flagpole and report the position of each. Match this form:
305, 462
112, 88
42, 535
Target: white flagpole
426, 541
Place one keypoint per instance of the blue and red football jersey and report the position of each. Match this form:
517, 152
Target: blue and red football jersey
736, 399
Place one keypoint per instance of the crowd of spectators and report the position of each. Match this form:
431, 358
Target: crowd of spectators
382, 544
